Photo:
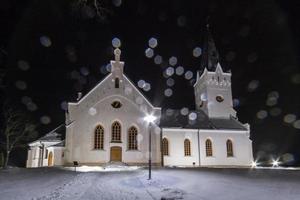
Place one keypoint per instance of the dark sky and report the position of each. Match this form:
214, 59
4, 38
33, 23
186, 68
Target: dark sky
55, 48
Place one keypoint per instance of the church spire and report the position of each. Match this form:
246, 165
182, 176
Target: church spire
210, 55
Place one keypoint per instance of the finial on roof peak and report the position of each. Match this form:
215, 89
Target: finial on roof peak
117, 53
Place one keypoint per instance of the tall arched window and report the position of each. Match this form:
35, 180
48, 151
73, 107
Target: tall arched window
229, 148
116, 132
165, 147
99, 137
132, 138
117, 82
187, 147
208, 147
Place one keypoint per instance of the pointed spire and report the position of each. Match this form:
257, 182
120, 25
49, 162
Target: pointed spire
210, 55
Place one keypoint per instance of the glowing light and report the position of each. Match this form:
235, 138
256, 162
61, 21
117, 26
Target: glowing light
179, 70
197, 52
170, 71
289, 118
21, 85
168, 92
45, 41
150, 118
147, 87
192, 116
170, 82
23, 65
253, 85
158, 59
92, 111
116, 42
254, 164
117, 3
149, 53
84, 71
152, 42
262, 114
45, 120
173, 61
184, 111
296, 124
275, 112
141, 83
275, 163
188, 75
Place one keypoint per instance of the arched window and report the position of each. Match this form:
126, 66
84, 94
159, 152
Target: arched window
99, 138
187, 147
132, 138
165, 147
229, 148
117, 82
116, 132
208, 146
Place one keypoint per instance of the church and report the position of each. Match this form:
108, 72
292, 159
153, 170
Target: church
111, 124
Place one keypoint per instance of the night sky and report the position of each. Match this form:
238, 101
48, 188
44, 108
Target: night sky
52, 49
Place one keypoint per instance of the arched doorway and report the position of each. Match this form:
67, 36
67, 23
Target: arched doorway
50, 159
116, 154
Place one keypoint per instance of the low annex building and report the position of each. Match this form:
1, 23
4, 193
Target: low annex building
107, 125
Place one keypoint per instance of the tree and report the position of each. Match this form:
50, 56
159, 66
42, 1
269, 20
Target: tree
17, 130
91, 8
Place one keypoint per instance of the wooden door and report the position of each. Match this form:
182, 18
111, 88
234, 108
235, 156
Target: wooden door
116, 154
50, 159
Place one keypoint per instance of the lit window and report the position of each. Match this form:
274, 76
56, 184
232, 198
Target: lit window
117, 83
132, 138
229, 148
116, 132
208, 147
187, 147
99, 138
165, 147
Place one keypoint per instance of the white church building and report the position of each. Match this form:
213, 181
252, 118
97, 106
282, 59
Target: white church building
108, 125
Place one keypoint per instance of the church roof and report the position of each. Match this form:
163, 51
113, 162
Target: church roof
52, 136
60, 144
172, 118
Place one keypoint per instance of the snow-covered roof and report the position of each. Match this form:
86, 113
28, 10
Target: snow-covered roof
172, 118
60, 144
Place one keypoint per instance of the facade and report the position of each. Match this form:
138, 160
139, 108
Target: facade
107, 125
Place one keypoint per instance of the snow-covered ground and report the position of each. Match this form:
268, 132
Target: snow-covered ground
200, 184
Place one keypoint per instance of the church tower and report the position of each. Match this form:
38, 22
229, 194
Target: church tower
213, 88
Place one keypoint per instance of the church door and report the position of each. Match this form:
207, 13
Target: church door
116, 154
50, 159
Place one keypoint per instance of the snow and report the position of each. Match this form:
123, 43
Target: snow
126, 182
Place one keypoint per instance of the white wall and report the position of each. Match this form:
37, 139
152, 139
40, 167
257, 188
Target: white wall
242, 147
95, 109
176, 139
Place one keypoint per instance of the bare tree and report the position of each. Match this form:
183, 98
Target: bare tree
92, 8
17, 130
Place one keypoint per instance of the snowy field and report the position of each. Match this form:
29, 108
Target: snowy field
200, 184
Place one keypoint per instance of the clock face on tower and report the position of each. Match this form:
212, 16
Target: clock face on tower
219, 98
116, 104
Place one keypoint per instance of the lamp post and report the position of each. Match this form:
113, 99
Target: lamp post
150, 119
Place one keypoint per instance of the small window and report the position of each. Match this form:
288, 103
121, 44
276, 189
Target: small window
219, 98
116, 132
117, 82
229, 148
46, 154
116, 104
208, 147
132, 138
165, 147
99, 137
187, 147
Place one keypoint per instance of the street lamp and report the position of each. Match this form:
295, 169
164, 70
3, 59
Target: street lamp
149, 119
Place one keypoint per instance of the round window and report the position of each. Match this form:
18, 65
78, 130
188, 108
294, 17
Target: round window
219, 98
116, 104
